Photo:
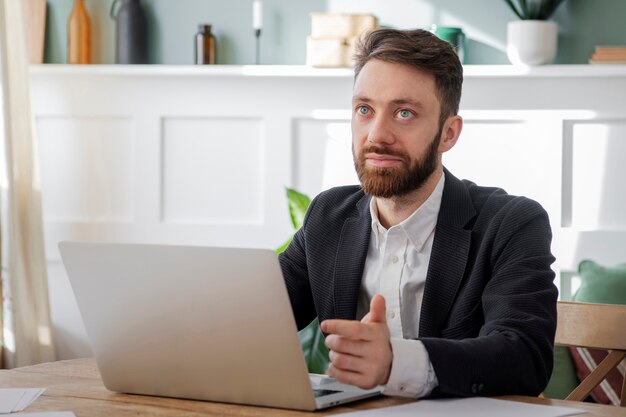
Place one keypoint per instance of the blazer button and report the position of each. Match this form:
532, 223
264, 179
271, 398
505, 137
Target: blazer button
480, 387
474, 388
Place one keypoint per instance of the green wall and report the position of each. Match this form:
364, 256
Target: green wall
173, 23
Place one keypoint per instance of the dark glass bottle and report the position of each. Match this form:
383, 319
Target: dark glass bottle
205, 45
131, 34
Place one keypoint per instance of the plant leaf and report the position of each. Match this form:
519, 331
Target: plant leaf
550, 8
533, 9
311, 337
514, 8
298, 205
313, 347
524, 9
284, 246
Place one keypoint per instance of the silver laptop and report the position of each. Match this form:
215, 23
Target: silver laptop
202, 323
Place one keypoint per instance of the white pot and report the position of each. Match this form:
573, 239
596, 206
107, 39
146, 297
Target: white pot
531, 42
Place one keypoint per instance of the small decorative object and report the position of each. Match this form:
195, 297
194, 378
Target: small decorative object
609, 55
453, 36
257, 25
333, 37
78, 35
34, 13
205, 45
532, 40
131, 34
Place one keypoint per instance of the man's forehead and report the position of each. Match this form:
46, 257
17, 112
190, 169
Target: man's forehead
394, 83
382, 75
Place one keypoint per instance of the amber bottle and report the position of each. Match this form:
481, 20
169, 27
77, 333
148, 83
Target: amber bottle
205, 45
78, 35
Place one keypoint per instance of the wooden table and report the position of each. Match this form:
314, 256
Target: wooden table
76, 386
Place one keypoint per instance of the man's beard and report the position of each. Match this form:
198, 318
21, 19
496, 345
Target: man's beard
387, 182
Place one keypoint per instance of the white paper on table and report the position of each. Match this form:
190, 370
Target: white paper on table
468, 407
30, 395
9, 398
16, 399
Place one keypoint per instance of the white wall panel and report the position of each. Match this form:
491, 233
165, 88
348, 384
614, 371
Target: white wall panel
521, 155
87, 168
322, 155
598, 174
213, 170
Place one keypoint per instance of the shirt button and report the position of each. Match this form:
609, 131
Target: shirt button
394, 259
392, 314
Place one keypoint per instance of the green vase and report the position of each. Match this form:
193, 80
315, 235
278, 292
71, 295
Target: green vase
454, 36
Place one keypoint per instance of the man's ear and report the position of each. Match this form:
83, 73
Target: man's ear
450, 133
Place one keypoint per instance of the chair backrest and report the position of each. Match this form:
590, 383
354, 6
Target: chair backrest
596, 326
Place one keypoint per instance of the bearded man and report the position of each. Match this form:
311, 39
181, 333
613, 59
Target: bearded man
423, 283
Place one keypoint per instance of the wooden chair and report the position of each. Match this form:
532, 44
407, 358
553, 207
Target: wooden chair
597, 326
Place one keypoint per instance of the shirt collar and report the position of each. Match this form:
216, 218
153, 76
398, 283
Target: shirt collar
419, 225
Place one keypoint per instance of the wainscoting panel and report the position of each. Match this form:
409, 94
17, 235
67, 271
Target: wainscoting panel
518, 154
598, 173
322, 155
213, 170
87, 168
202, 155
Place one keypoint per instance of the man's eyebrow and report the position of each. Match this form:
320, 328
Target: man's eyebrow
398, 101
361, 98
414, 103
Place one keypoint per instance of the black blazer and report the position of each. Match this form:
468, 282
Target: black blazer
488, 314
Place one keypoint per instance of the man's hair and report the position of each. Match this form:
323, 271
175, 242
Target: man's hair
419, 49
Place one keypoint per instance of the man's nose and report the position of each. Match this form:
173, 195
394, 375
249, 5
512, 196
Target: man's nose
380, 131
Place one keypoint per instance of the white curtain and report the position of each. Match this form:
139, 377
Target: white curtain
26, 332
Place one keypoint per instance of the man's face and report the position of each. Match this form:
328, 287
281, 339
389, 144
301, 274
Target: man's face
395, 128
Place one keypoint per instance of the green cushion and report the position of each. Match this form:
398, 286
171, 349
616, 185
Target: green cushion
598, 285
563, 379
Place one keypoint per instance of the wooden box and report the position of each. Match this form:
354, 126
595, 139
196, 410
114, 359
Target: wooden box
337, 25
329, 52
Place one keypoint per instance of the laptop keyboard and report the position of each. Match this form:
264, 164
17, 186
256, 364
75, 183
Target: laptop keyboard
323, 392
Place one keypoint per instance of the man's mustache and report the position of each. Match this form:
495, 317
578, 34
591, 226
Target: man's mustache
383, 150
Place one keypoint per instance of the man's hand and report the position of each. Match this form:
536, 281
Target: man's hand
360, 352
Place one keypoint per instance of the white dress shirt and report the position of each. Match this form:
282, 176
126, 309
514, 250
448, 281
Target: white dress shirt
395, 267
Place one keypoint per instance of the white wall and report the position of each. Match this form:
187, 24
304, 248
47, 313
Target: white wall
201, 156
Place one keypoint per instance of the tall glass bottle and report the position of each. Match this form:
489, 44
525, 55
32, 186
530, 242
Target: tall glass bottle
205, 45
78, 35
131, 34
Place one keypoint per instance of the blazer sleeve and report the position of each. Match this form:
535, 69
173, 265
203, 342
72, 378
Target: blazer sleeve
513, 351
293, 263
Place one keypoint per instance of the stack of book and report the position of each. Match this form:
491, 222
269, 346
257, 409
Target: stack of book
333, 37
609, 55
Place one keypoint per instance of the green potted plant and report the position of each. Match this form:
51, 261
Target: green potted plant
532, 40
311, 337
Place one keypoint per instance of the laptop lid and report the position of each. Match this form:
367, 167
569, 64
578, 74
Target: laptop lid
201, 323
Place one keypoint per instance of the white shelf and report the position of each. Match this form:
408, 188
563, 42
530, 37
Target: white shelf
545, 71
470, 71
190, 70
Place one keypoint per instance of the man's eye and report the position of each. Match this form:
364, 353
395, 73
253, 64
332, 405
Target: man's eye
405, 114
363, 110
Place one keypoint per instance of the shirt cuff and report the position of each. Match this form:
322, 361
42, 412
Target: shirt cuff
412, 374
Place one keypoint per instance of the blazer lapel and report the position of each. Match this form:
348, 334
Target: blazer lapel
350, 261
448, 257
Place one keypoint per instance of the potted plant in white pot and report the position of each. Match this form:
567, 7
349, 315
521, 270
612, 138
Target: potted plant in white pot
532, 40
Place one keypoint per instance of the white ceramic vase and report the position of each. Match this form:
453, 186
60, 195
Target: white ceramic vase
531, 42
